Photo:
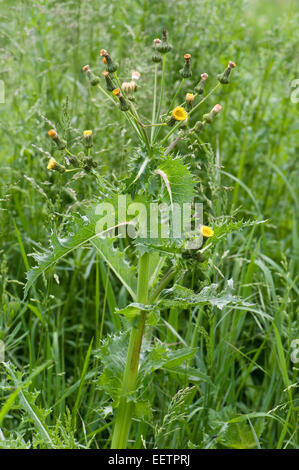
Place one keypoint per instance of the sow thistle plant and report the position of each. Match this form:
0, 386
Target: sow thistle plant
149, 258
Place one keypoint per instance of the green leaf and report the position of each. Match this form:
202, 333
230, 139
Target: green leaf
81, 232
179, 179
179, 296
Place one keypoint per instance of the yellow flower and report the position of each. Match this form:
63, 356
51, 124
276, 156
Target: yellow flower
116, 92
206, 231
179, 114
87, 133
52, 164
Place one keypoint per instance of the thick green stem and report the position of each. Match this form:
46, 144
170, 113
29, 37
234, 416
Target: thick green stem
126, 407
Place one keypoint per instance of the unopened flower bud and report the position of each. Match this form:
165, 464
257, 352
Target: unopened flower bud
87, 136
189, 100
124, 105
186, 71
61, 144
111, 66
94, 80
54, 165
198, 126
224, 77
201, 85
89, 163
156, 57
109, 83
211, 115
163, 47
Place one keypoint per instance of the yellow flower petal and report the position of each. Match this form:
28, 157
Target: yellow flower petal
51, 164
206, 231
179, 114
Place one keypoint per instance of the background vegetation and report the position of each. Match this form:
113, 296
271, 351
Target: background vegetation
242, 388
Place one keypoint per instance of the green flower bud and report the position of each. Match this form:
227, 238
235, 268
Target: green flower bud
224, 77
109, 83
156, 57
163, 47
111, 66
124, 105
209, 117
201, 85
186, 71
61, 144
94, 80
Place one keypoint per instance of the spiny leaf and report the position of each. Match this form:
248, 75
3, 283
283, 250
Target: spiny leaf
83, 231
179, 296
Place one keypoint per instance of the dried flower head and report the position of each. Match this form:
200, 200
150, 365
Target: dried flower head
135, 75
231, 65
204, 76
163, 47
179, 114
86, 68
103, 53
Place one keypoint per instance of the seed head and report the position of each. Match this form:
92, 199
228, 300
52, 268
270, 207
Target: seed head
135, 75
